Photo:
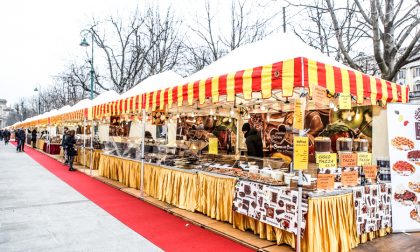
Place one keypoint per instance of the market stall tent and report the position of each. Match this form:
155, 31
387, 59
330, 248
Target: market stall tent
277, 64
131, 101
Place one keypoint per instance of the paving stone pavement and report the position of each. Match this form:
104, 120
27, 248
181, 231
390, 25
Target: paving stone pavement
39, 212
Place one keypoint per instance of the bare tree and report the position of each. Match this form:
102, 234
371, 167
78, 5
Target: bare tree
148, 45
245, 27
392, 27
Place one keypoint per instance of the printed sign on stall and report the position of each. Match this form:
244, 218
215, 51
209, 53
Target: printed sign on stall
213, 145
404, 155
299, 116
325, 182
300, 152
344, 101
348, 159
349, 178
364, 158
326, 160
370, 171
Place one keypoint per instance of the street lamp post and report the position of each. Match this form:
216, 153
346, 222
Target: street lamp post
84, 43
39, 101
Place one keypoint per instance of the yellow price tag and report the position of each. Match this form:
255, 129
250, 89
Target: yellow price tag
326, 160
213, 146
344, 101
300, 153
364, 159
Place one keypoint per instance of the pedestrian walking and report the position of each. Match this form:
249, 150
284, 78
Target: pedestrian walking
22, 138
71, 150
33, 138
1, 135
63, 145
6, 136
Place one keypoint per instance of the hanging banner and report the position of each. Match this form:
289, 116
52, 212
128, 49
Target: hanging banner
404, 154
299, 116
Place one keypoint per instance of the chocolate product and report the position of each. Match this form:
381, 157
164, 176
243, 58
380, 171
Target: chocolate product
281, 203
247, 189
270, 212
273, 197
344, 144
322, 144
361, 145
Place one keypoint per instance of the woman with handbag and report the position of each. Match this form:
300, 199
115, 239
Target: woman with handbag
70, 141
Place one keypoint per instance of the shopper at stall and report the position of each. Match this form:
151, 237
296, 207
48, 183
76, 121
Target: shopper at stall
63, 145
1, 135
71, 150
253, 141
33, 138
22, 138
6, 136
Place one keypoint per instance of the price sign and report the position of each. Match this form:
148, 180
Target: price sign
344, 101
319, 96
326, 160
370, 171
325, 182
299, 114
300, 152
348, 159
349, 178
213, 145
364, 158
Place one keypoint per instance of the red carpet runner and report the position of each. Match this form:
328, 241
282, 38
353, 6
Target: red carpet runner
165, 230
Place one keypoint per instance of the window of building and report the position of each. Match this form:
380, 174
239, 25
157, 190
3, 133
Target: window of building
416, 72
401, 74
417, 86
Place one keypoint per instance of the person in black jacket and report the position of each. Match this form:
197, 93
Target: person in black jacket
253, 141
70, 141
33, 138
22, 138
63, 145
6, 136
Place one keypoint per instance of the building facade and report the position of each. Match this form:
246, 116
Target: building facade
410, 75
4, 112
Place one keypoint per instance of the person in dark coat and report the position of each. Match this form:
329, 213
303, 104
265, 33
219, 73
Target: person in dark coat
71, 150
6, 136
63, 145
1, 135
253, 141
22, 138
33, 138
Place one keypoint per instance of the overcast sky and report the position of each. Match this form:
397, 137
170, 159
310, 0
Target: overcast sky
40, 37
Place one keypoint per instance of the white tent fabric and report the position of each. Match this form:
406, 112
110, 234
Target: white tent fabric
107, 96
155, 82
268, 51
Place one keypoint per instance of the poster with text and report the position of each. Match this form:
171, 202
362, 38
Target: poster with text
404, 154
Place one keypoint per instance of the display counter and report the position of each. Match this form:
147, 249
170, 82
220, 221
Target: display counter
84, 157
333, 221
53, 149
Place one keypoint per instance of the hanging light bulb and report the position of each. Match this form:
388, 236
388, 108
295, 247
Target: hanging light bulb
332, 105
214, 118
211, 112
357, 117
349, 116
192, 114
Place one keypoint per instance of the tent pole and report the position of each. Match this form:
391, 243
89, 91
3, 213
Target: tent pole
300, 180
143, 119
84, 144
91, 147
